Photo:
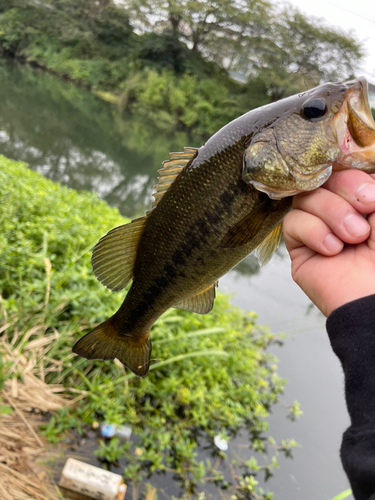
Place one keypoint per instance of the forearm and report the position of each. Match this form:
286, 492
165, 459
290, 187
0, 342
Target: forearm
351, 329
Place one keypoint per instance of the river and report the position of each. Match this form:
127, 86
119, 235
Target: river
73, 137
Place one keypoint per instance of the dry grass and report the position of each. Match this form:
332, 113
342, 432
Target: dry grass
20, 443
33, 394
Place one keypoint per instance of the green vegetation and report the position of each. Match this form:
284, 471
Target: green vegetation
200, 106
4, 409
210, 374
342, 495
271, 45
68, 39
46, 234
171, 61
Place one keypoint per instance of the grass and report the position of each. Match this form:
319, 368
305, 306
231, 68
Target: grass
343, 494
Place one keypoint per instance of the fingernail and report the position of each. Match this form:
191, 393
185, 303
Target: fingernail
356, 225
366, 193
332, 243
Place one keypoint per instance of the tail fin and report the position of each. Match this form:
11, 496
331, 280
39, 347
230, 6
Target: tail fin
106, 342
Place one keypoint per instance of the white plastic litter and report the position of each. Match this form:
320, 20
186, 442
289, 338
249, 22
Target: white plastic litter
220, 443
92, 481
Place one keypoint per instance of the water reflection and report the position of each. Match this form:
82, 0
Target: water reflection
72, 137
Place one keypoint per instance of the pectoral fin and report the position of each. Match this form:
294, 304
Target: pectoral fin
245, 230
201, 303
268, 246
270, 212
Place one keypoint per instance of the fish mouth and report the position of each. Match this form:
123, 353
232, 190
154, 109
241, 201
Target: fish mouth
355, 129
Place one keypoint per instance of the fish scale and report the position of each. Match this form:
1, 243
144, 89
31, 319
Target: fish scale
215, 204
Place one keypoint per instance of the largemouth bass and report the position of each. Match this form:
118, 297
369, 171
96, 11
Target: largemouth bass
216, 204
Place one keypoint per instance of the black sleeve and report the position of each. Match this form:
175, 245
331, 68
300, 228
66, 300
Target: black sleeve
351, 329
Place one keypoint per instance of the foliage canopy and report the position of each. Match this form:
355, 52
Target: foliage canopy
302, 53
286, 50
102, 44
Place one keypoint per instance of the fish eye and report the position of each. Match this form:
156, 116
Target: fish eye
314, 108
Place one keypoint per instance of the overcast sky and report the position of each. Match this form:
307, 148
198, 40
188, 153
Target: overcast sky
358, 15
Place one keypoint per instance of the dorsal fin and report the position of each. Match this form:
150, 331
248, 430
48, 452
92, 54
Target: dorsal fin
114, 255
201, 303
268, 246
171, 169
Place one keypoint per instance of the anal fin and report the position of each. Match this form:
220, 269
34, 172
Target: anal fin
201, 303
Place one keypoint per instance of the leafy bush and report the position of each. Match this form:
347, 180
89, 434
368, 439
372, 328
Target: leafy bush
93, 46
47, 232
184, 102
209, 375
71, 39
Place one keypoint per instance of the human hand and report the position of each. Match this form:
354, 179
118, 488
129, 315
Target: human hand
331, 246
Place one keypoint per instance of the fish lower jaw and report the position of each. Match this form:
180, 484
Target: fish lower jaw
356, 161
273, 193
352, 155
299, 184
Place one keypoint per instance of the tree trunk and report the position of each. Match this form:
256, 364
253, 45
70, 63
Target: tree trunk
175, 20
97, 7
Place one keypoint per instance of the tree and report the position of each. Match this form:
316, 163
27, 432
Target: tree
280, 48
302, 53
203, 24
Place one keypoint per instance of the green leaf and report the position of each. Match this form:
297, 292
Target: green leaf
6, 410
344, 494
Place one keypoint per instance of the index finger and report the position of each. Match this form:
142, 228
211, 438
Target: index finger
356, 187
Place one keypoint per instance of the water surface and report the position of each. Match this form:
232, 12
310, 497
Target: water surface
75, 138
72, 137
